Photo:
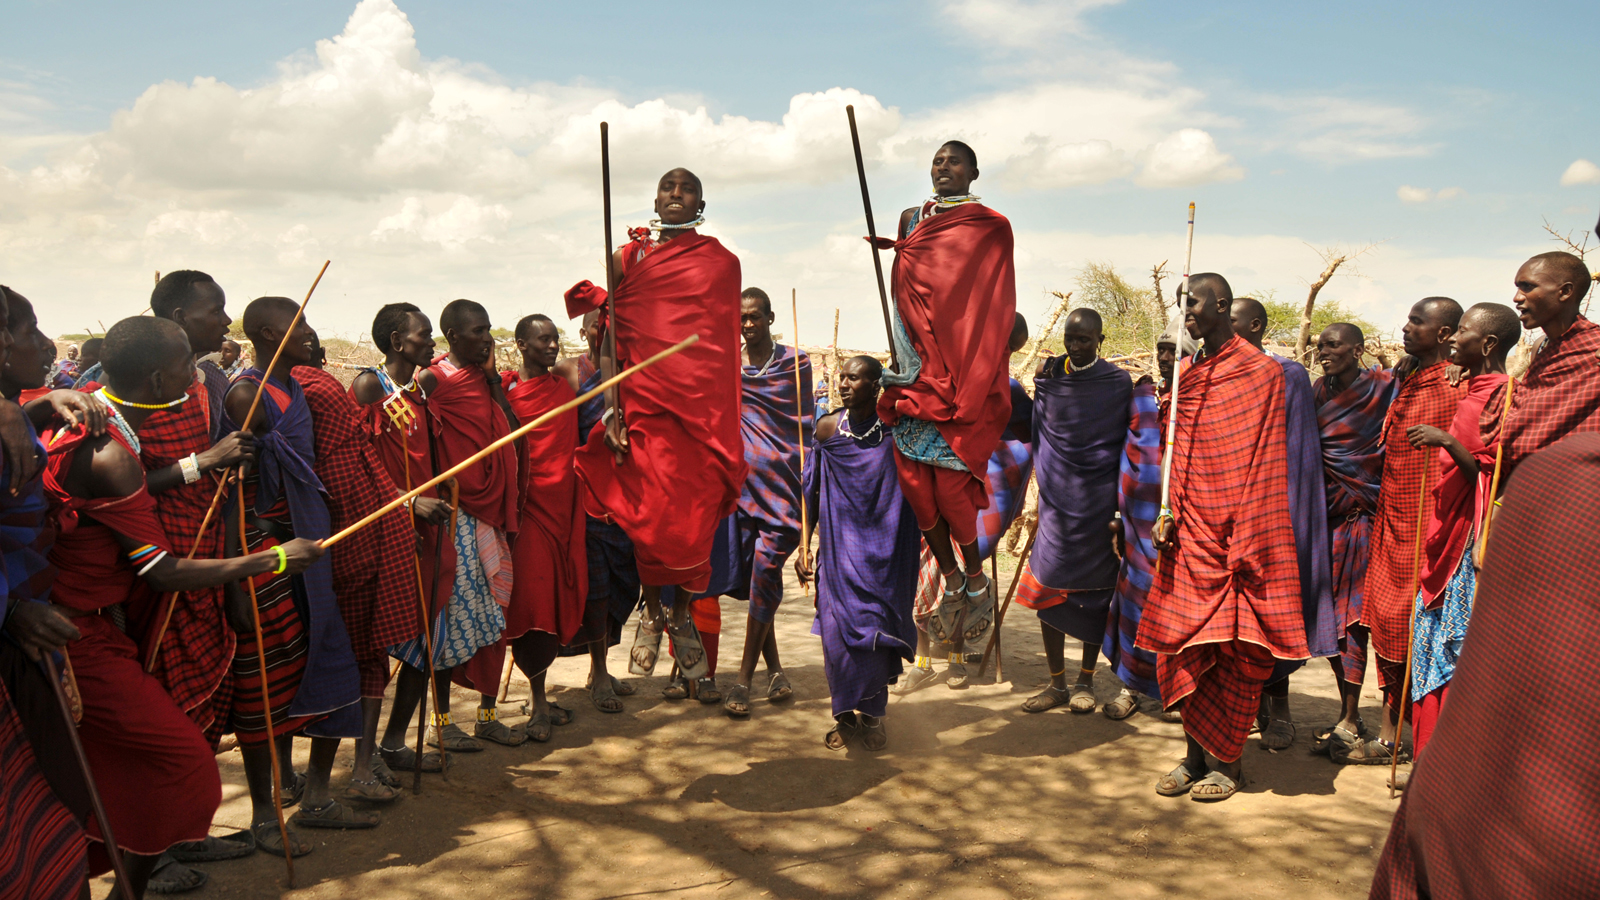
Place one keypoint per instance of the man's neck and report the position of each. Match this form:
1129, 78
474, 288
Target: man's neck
861, 419
1495, 365
668, 234
455, 360
530, 369
399, 369
1217, 337
1424, 360
1562, 323
282, 369
1343, 379
759, 353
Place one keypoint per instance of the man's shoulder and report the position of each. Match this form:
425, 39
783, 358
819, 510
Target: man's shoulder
828, 424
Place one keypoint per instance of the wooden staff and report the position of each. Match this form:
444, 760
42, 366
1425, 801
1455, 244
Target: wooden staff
1000, 618
1172, 417
833, 369
1411, 636
800, 426
872, 236
222, 486
611, 265
125, 887
266, 695
1494, 483
505, 684
425, 596
478, 457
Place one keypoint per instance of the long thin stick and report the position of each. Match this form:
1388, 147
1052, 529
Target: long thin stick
266, 696
611, 266
1411, 636
423, 601
1177, 366
800, 425
1494, 482
172, 601
872, 236
478, 457
125, 886
1000, 617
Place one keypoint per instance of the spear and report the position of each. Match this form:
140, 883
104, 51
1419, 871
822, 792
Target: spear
800, 425
125, 887
1172, 416
611, 266
872, 236
1411, 635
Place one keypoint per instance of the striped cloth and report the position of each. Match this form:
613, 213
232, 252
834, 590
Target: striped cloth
475, 616
1559, 395
1139, 500
1007, 479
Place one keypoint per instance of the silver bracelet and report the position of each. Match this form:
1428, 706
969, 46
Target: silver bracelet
190, 466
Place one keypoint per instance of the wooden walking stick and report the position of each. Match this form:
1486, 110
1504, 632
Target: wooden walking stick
800, 426
222, 485
1411, 636
1172, 416
125, 887
611, 269
872, 237
425, 597
1494, 484
1000, 617
478, 457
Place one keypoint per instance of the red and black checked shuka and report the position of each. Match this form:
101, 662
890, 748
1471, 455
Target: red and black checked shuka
1472, 824
374, 576
194, 661
41, 844
1425, 397
1560, 395
1226, 601
155, 771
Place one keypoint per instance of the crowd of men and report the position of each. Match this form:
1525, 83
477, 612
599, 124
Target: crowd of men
1207, 531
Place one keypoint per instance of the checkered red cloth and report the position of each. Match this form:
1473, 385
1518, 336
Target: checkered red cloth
374, 577
1425, 397
1222, 683
1505, 802
1234, 575
1560, 395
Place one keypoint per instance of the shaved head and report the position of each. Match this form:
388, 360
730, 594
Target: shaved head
1019, 334
868, 366
699, 188
137, 347
1348, 333
1085, 317
1212, 283
1440, 311
1569, 268
1499, 320
264, 311
1248, 308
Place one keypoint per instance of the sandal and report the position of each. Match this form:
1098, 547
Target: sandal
334, 814
452, 738
1371, 752
1178, 781
646, 645
705, 690
687, 649
492, 729
942, 624
213, 848
604, 696
623, 688
677, 688
365, 790
294, 790
559, 715
1336, 735
915, 680
405, 759
874, 736
844, 728
1083, 701
538, 729
1047, 699
980, 609
173, 877
382, 772
779, 689
1121, 706
958, 676
269, 839
1214, 779
1279, 735
737, 702
1174, 716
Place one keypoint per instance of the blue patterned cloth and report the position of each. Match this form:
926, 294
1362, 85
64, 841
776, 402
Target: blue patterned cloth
1437, 646
922, 442
472, 619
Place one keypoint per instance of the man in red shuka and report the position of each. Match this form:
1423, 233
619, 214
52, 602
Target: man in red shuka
668, 465
949, 399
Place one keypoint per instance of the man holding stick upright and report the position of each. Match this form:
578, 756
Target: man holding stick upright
753, 543
668, 464
955, 300
1225, 604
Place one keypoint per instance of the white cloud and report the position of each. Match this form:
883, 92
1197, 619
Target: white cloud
1016, 23
1343, 130
465, 220
1186, 158
1415, 195
1581, 171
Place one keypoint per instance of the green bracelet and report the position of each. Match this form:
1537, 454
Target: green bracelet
283, 560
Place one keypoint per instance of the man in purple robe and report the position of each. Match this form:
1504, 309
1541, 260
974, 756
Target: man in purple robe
1307, 505
1080, 428
866, 563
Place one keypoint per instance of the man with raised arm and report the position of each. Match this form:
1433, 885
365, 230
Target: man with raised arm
154, 769
1424, 397
1352, 405
668, 465
955, 301
1080, 427
1225, 605
865, 567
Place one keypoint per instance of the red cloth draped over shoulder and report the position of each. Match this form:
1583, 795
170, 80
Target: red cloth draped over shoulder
1425, 397
956, 289
1234, 574
1559, 395
373, 576
549, 558
1455, 493
686, 461
91, 568
470, 420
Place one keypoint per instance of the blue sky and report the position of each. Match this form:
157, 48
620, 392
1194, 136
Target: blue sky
437, 150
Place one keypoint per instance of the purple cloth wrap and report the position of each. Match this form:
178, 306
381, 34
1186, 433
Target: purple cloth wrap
1139, 499
1308, 514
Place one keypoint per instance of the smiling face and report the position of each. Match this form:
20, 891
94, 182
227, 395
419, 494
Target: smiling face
414, 343
299, 347
755, 321
858, 389
1203, 311
953, 173
1336, 353
27, 364
1468, 347
204, 318
471, 343
540, 344
678, 197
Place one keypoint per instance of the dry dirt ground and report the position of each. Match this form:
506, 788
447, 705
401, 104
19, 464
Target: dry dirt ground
973, 799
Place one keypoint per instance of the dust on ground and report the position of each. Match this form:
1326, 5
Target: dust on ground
972, 799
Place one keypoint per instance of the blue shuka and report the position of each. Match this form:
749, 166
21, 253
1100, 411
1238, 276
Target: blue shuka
1308, 512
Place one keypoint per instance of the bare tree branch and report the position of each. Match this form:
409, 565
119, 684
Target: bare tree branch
1333, 259
1044, 333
